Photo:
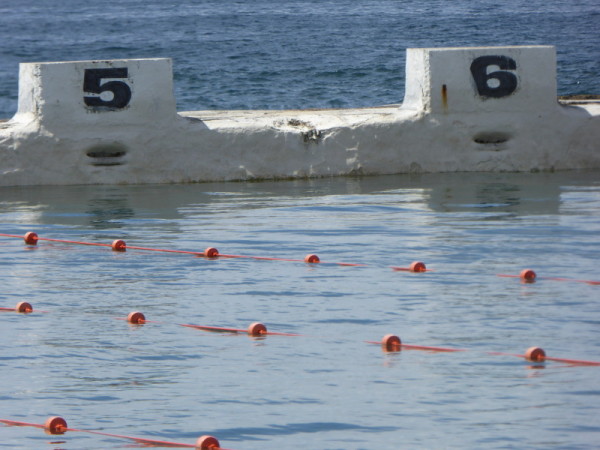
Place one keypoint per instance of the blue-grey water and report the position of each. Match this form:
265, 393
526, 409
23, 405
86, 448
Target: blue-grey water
329, 388
231, 54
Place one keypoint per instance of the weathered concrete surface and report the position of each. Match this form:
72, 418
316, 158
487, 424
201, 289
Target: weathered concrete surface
462, 112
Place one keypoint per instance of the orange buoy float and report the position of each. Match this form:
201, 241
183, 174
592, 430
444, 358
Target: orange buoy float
528, 276
207, 443
30, 238
211, 252
136, 318
391, 343
417, 266
535, 354
118, 245
257, 329
24, 307
311, 259
55, 425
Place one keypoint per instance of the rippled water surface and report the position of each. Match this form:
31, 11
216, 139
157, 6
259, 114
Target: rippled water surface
328, 388
274, 54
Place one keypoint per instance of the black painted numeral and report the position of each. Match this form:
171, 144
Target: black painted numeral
92, 84
505, 82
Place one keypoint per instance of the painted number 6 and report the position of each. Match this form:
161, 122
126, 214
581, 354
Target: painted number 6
494, 84
92, 84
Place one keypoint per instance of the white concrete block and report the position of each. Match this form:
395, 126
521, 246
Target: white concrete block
98, 93
481, 79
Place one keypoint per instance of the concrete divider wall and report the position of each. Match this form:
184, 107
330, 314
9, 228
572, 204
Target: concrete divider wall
465, 109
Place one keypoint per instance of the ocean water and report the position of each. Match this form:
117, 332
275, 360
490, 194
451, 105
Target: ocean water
330, 387
274, 54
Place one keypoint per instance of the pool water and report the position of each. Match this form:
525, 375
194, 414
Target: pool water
331, 387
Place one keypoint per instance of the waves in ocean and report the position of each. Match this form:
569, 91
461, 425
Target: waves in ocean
292, 54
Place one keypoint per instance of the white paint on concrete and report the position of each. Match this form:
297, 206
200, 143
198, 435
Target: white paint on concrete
443, 125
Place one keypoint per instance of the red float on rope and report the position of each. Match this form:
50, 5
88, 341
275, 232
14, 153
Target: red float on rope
118, 245
30, 238
136, 318
207, 442
535, 354
24, 307
415, 267
55, 425
211, 252
528, 276
391, 343
257, 329
312, 259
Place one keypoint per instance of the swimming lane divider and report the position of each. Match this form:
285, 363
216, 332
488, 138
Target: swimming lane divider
57, 426
529, 276
119, 245
256, 329
389, 343
31, 238
392, 343
310, 259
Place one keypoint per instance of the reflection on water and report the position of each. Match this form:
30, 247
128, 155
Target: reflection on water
109, 212
103, 207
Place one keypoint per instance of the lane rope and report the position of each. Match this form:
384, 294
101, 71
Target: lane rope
389, 343
57, 426
119, 245
529, 276
392, 343
255, 329
31, 238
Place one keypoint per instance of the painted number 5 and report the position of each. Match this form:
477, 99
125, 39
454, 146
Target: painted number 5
92, 84
499, 83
